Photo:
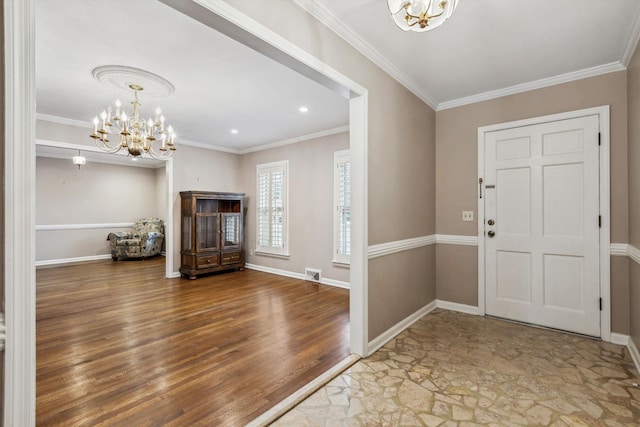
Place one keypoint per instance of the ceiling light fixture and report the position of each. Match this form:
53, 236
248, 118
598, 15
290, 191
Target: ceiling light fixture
303, 109
79, 160
420, 15
136, 135
234, 131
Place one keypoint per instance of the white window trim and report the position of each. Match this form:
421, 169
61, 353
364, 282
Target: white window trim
269, 250
339, 260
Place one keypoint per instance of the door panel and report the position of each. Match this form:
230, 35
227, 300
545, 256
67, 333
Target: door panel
542, 263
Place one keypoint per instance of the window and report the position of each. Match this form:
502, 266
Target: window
272, 231
342, 211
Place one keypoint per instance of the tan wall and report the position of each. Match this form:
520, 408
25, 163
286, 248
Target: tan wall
96, 193
633, 95
394, 286
457, 274
457, 169
51, 131
620, 294
401, 155
310, 204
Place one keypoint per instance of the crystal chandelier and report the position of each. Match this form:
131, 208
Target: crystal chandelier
420, 15
136, 135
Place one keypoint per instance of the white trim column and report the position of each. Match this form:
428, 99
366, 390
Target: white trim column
19, 257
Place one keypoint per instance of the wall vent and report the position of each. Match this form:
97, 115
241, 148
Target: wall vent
312, 275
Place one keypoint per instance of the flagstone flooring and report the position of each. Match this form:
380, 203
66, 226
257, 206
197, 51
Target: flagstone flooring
451, 369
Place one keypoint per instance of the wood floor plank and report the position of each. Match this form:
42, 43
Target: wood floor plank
119, 344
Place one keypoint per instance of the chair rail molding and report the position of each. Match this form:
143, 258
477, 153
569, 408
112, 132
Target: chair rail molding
3, 331
106, 225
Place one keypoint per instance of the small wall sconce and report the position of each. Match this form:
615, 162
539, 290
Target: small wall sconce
79, 160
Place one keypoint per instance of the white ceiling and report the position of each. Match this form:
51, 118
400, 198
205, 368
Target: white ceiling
488, 48
219, 84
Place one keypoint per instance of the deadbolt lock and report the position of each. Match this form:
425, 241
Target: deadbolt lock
491, 222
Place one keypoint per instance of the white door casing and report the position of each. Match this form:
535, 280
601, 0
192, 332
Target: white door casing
548, 263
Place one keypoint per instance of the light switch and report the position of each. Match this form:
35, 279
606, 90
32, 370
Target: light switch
467, 216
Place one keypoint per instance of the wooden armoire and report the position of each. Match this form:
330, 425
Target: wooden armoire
212, 232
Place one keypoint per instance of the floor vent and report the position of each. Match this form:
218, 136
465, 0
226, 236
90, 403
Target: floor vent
312, 275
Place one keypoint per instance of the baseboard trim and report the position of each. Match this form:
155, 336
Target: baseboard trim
72, 260
619, 339
454, 306
392, 332
79, 259
290, 402
293, 275
635, 354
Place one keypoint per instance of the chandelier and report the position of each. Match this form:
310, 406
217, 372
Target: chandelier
420, 15
136, 135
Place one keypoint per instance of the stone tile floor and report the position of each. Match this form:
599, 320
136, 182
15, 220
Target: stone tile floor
453, 369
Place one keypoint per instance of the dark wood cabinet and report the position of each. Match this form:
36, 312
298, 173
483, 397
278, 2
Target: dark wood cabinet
212, 232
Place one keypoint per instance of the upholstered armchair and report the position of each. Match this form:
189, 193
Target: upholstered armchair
144, 240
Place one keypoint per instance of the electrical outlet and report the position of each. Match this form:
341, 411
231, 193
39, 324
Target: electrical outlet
467, 216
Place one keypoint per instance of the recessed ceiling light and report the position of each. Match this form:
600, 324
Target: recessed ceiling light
303, 109
234, 131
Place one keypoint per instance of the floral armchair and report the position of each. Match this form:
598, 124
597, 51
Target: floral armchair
145, 240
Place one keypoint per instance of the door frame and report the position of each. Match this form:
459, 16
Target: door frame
603, 113
19, 172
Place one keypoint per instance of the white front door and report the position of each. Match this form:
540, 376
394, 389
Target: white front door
541, 231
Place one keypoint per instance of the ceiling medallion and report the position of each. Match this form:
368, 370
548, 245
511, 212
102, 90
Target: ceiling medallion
136, 135
420, 15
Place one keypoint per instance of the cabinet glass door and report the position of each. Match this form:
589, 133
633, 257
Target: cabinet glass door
207, 232
186, 233
231, 231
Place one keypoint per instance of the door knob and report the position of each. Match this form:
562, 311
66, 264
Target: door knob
491, 222
491, 233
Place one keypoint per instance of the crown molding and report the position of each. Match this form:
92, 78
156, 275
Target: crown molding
327, 18
275, 144
297, 139
209, 146
632, 41
537, 84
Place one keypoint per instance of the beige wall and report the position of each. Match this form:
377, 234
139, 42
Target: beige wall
633, 95
310, 204
97, 193
620, 294
199, 169
457, 173
394, 285
51, 131
401, 157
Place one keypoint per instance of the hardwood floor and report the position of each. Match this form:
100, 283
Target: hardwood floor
118, 344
